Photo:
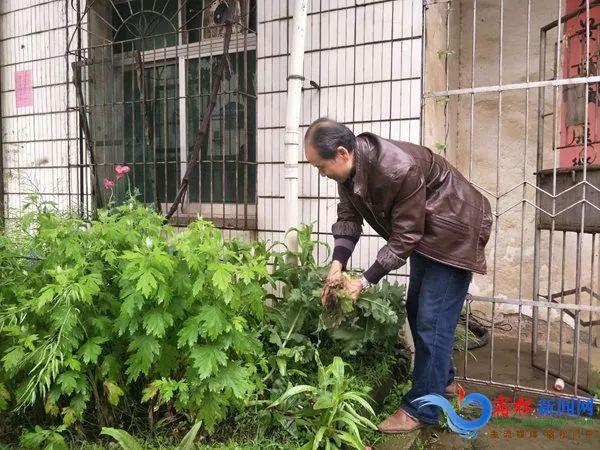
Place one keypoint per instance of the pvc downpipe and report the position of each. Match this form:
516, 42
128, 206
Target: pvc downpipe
292, 135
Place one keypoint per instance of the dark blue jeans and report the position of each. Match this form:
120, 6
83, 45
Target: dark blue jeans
436, 293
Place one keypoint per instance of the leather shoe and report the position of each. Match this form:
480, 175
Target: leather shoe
399, 422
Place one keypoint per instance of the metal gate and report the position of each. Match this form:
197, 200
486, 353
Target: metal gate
527, 140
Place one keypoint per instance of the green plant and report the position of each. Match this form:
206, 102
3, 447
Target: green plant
445, 53
121, 310
328, 410
128, 442
300, 324
45, 438
596, 391
120, 320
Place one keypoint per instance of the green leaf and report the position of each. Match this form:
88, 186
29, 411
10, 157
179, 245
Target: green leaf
111, 367
150, 392
337, 367
190, 332
318, 437
13, 358
363, 420
213, 409
207, 359
187, 443
51, 408
132, 303
114, 392
198, 285
144, 349
234, 377
70, 416
168, 360
214, 320
46, 296
168, 387
350, 422
147, 284
351, 439
48, 439
157, 321
68, 382
281, 365
245, 343
295, 390
125, 440
91, 350
324, 401
221, 276
357, 398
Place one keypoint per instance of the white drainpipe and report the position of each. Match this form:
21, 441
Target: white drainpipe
292, 122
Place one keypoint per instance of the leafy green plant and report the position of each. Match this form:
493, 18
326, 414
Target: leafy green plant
301, 324
445, 53
328, 411
122, 310
120, 320
45, 438
440, 146
128, 442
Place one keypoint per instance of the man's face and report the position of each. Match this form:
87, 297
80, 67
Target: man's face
338, 168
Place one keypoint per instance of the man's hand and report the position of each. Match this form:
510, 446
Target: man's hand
334, 277
353, 288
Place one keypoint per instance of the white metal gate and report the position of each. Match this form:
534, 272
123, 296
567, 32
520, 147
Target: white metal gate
526, 139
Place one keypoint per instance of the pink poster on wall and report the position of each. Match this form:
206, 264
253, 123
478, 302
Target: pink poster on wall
23, 88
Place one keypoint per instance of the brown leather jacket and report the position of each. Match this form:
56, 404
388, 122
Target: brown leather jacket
415, 200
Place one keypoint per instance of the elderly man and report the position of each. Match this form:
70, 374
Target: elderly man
424, 208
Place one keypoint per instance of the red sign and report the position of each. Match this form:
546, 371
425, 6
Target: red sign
574, 64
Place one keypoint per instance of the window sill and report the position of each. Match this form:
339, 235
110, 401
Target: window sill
232, 223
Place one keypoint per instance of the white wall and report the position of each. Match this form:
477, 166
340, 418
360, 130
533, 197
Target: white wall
365, 57
39, 140
367, 61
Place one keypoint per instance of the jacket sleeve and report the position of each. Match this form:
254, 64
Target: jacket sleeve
348, 228
408, 224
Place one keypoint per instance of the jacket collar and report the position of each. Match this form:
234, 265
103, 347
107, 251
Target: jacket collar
361, 162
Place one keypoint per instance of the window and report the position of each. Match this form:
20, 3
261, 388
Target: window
180, 43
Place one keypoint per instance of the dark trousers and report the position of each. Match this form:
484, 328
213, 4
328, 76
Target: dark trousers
436, 293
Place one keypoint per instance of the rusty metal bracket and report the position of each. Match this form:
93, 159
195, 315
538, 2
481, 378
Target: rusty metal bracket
148, 126
87, 135
205, 125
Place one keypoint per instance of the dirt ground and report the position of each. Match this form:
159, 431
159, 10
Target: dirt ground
571, 434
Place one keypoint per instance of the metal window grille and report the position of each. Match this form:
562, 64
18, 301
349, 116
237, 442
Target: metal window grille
147, 70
